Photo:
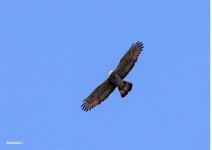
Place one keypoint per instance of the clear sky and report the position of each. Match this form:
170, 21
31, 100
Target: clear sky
53, 54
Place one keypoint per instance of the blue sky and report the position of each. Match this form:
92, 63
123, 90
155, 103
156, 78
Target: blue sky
55, 53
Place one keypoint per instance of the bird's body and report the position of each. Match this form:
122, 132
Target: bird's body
123, 86
115, 79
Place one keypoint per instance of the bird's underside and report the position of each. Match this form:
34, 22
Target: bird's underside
115, 79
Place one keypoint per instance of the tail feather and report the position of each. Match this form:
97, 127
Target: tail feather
127, 88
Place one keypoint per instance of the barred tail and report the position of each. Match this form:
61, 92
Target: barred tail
127, 88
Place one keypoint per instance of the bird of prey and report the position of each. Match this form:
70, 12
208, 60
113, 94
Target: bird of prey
115, 79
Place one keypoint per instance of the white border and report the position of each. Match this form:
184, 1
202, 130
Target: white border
210, 76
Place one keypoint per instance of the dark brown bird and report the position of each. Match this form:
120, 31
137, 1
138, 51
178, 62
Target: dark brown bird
115, 79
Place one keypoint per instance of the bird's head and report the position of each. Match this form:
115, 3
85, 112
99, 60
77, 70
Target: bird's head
110, 72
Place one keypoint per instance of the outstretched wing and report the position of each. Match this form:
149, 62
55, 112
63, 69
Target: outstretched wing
129, 59
98, 95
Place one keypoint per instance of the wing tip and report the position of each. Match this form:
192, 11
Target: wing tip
84, 107
139, 44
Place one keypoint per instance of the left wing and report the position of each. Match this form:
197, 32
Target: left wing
98, 95
129, 59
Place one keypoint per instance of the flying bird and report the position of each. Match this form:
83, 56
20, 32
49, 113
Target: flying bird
115, 79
